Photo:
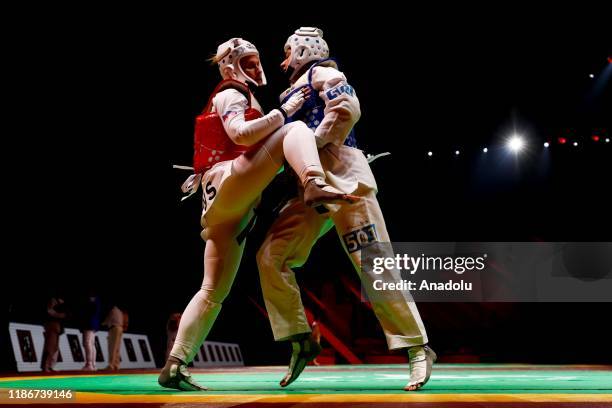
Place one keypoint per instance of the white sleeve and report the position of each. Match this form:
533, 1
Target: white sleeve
230, 104
342, 108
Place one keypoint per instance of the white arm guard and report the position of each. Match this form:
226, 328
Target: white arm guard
231, 105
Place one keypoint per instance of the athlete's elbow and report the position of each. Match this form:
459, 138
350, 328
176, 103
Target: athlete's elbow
356, 114
349, 113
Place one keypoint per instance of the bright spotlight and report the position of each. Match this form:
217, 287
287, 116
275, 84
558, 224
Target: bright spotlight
457, 152
485, 150
546, 144
516, 143
429, 154
575, 143
591, 76
607, 140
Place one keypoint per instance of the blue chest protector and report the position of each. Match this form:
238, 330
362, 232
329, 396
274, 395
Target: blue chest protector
313, 110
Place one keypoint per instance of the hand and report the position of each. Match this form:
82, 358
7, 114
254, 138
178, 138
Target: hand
295, 102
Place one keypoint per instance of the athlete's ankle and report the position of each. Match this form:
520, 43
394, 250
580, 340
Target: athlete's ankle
174, 360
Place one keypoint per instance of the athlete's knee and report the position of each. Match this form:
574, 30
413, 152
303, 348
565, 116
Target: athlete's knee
267, 262
297, 126
299, 130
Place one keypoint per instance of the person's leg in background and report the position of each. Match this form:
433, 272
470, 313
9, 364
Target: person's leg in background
51, 347
114, 347
90, 350
115, 321
117, 348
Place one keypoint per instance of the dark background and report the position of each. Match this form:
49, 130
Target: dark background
110, 99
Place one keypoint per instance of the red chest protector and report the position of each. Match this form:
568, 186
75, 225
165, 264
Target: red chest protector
211, 142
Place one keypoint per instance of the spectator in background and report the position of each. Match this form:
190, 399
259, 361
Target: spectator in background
88, 321
116, 321
171, 331
54, 327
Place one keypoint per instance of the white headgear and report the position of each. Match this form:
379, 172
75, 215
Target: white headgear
229, 54
306, 44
